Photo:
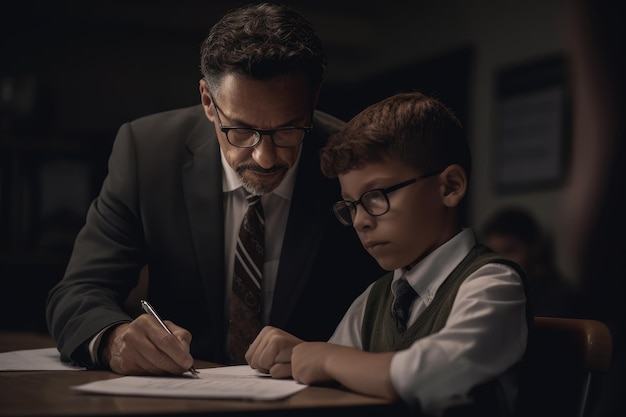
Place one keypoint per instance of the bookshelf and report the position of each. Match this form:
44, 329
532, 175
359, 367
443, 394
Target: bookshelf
47, 183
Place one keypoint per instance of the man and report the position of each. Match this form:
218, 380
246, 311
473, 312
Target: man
175, 196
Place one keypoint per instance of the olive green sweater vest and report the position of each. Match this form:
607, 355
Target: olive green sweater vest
379, 332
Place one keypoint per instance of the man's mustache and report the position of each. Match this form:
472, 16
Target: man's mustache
261, 170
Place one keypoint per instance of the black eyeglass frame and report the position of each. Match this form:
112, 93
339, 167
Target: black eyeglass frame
259, 132
351, 205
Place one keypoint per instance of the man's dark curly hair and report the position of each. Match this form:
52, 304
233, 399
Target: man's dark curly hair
263, 41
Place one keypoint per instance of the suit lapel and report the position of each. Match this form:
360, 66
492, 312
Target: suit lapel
202, 188
306, 225
308, 219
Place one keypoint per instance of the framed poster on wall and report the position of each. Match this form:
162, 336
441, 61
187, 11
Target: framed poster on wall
532, 132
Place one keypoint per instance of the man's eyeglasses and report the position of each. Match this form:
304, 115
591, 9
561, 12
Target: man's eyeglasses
247, 137
375, 202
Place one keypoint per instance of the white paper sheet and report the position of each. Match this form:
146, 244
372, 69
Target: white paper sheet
45, 359
229, 382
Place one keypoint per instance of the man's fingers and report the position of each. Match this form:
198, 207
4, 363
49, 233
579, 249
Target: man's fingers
145, 347
181, 333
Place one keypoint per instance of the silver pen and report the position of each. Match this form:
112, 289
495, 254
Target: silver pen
148, 309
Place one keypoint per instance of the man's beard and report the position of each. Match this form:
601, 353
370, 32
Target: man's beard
260, 189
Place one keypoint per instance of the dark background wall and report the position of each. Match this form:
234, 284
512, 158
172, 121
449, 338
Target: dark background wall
72, 72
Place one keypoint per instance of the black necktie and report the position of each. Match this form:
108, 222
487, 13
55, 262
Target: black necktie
405, 294
245, 303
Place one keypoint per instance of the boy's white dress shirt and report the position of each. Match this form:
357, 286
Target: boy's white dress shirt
484, 336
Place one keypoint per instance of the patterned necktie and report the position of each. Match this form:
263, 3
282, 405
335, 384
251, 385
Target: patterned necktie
245, 303
405, 294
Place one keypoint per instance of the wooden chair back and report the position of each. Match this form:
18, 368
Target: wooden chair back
566, 357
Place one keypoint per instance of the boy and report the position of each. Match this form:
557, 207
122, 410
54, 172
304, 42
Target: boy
403, 166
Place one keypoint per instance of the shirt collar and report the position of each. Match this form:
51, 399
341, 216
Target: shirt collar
231, 180
428, 274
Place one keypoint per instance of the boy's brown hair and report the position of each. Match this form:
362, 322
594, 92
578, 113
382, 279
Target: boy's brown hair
408, 127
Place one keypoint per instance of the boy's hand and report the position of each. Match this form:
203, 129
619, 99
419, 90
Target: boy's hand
270, 352
364, 372
308, 361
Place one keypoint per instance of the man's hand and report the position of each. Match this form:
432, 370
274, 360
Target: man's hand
143, 347
270, 352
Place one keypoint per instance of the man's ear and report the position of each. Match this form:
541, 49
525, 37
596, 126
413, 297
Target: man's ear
316, 98
205, 98
453, 185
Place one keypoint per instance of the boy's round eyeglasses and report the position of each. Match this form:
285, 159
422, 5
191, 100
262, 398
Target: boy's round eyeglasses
375, 202
247, 137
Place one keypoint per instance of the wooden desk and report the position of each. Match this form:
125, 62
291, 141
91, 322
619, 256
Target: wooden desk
48, 393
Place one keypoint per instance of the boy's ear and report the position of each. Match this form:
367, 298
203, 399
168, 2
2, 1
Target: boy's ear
453, 185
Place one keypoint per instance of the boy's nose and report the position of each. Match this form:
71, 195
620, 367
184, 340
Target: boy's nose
362, 219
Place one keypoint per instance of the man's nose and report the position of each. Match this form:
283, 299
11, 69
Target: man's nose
264, 152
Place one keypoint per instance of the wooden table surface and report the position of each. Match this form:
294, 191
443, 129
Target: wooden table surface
49, 393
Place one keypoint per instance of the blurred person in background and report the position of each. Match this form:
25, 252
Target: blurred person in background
515, 233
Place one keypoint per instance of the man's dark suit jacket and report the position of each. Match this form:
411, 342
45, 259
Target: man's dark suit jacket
161, 205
